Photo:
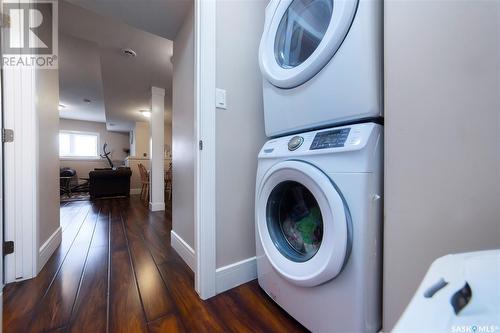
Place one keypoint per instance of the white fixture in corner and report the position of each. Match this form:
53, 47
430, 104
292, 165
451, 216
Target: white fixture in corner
157, 164
61, 107
146, 113
457, 294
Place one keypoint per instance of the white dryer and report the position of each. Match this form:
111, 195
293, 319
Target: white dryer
318, 226
322, 63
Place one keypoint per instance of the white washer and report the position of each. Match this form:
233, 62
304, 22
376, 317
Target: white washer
322, 63
318, 226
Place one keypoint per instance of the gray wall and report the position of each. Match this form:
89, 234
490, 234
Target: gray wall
240, 128
47, 102
183, 135
442, 181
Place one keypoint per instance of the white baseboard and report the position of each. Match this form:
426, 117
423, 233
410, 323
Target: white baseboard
48, 248
183, 249
156, 206
135, 191
233, 275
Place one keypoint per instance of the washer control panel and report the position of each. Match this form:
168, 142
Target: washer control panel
295, 142
330, 139
318, 142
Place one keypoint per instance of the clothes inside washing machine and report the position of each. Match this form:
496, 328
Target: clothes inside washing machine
304, 234
294, 221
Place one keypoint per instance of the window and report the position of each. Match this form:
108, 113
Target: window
78, 144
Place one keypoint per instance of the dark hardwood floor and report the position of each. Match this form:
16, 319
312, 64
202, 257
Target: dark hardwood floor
116, 272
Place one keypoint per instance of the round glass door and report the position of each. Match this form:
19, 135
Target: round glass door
303, 223
300, 31
294, 221
301, 36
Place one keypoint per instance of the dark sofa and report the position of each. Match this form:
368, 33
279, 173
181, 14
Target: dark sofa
109, 182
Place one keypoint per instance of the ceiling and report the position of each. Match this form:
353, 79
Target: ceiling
80, 77
92, 65
159, 17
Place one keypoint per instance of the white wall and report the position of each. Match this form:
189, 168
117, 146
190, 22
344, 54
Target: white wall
141, 139
442, 188
239, 132
116, 141
47, 89
183, 135
240, 128
141, 142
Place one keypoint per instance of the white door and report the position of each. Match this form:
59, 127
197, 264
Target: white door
301, 36
303, 223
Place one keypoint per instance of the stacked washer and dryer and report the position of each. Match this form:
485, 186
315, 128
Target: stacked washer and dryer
319, 179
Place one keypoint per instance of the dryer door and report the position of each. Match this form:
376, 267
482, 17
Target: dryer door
303, 222
301, 36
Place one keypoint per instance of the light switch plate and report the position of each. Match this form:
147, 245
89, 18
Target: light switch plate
220, 99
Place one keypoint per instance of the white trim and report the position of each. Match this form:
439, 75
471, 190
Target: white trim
158, 91
156, 206
79, 132
20, 173
81, 158
205, 64
157, 153
233, 275
183, 249
48, 248
1, 209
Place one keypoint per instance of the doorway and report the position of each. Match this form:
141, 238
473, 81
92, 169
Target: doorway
34, 244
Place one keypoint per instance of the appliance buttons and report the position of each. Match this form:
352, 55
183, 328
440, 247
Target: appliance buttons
295, 142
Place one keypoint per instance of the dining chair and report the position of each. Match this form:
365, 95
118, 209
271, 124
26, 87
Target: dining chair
168, 182
144, 182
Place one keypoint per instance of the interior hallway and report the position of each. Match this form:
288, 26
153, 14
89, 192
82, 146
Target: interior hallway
116, 272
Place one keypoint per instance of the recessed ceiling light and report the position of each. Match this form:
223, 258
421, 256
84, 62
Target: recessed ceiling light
86, 100
129, 53
146, 113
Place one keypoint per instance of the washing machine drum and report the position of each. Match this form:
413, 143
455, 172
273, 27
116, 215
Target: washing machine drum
303, 223
301, 36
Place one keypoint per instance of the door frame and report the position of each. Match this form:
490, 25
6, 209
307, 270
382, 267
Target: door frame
2, 279
204, 175
21, 190
20, 173
205, 223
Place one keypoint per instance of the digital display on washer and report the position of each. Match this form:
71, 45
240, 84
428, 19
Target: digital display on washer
330, 139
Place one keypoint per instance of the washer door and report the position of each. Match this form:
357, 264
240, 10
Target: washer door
303, 223
301, 36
